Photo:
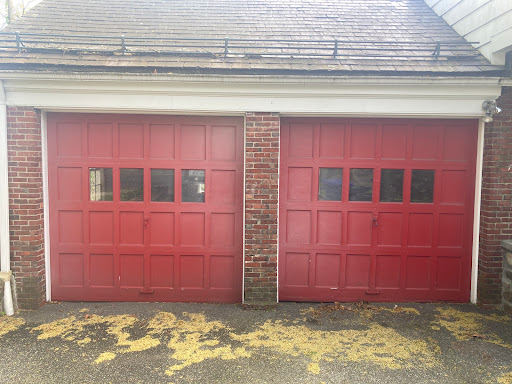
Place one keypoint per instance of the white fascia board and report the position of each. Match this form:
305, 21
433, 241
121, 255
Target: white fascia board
46, 205
5, 253
234, 95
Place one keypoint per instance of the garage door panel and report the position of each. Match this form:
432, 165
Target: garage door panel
101, 270
131, 271
300, 181
388, 272
100, 141
68, 139
192, 228
418, 272
451, 230
161, 141
399, 214
389, 228
394, 141
329, 227
192, 271
222, 229
71, 269
298, 229
297, 269
193, 142
300, 142
131, 228
101, 228
357, 271
327, 270
421, 227
140, 210
70, 227
131, 141
69, 184
458, 145
332, 141
453, 189
359, 228
162, 271
363, 140
222, 272
425, 142
448, 273
223, 186
162, 228
224, 143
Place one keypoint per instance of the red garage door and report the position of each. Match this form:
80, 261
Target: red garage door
378, 210
145, 208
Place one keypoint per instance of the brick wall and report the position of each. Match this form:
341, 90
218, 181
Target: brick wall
261, 208
496, 212
26, 205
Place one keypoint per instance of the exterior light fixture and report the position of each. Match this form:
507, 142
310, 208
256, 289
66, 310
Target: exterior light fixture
490, 108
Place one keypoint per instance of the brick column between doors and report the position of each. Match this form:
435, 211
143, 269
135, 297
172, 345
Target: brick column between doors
261, 208
496, 211
26, 221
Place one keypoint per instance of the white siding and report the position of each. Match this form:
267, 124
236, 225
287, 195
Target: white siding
488, 22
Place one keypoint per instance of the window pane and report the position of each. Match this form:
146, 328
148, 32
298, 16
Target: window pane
100, 184
329, 184
391, 185
361, 184
162, 185
132, 184
422, 186
192, 185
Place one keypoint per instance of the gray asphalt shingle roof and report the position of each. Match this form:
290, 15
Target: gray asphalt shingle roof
382, 24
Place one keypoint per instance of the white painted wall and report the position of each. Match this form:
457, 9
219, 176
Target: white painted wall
488, 22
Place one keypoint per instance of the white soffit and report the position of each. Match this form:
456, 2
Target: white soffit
235, 95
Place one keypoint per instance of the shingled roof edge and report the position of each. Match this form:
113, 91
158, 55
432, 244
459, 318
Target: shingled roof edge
502, 73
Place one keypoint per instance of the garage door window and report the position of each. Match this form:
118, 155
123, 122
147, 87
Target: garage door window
330, 183
192, 185
391, 185
132, 184
162, 185
361, 184
422, 186
100, 184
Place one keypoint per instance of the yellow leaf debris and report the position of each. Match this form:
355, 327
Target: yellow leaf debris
9, 323
380, 345
464, 325
105, 356
314, 368
505, 379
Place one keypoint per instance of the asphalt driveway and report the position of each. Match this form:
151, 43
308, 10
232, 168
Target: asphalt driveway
296, 343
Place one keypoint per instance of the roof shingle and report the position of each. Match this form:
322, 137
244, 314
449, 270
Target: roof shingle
374, 35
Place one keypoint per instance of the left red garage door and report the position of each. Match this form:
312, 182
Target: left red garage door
145, 208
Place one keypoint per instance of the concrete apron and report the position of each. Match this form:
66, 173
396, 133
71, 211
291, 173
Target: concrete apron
296, 343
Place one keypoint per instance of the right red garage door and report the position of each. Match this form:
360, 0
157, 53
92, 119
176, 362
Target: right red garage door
378, 210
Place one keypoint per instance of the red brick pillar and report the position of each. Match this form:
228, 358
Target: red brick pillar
496, 211
26, 205
261, 208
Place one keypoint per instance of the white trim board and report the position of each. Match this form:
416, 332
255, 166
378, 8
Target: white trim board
46, 205
477, 206
233, 96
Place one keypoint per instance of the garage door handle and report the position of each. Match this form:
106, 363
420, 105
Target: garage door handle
376, 221
146, 222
